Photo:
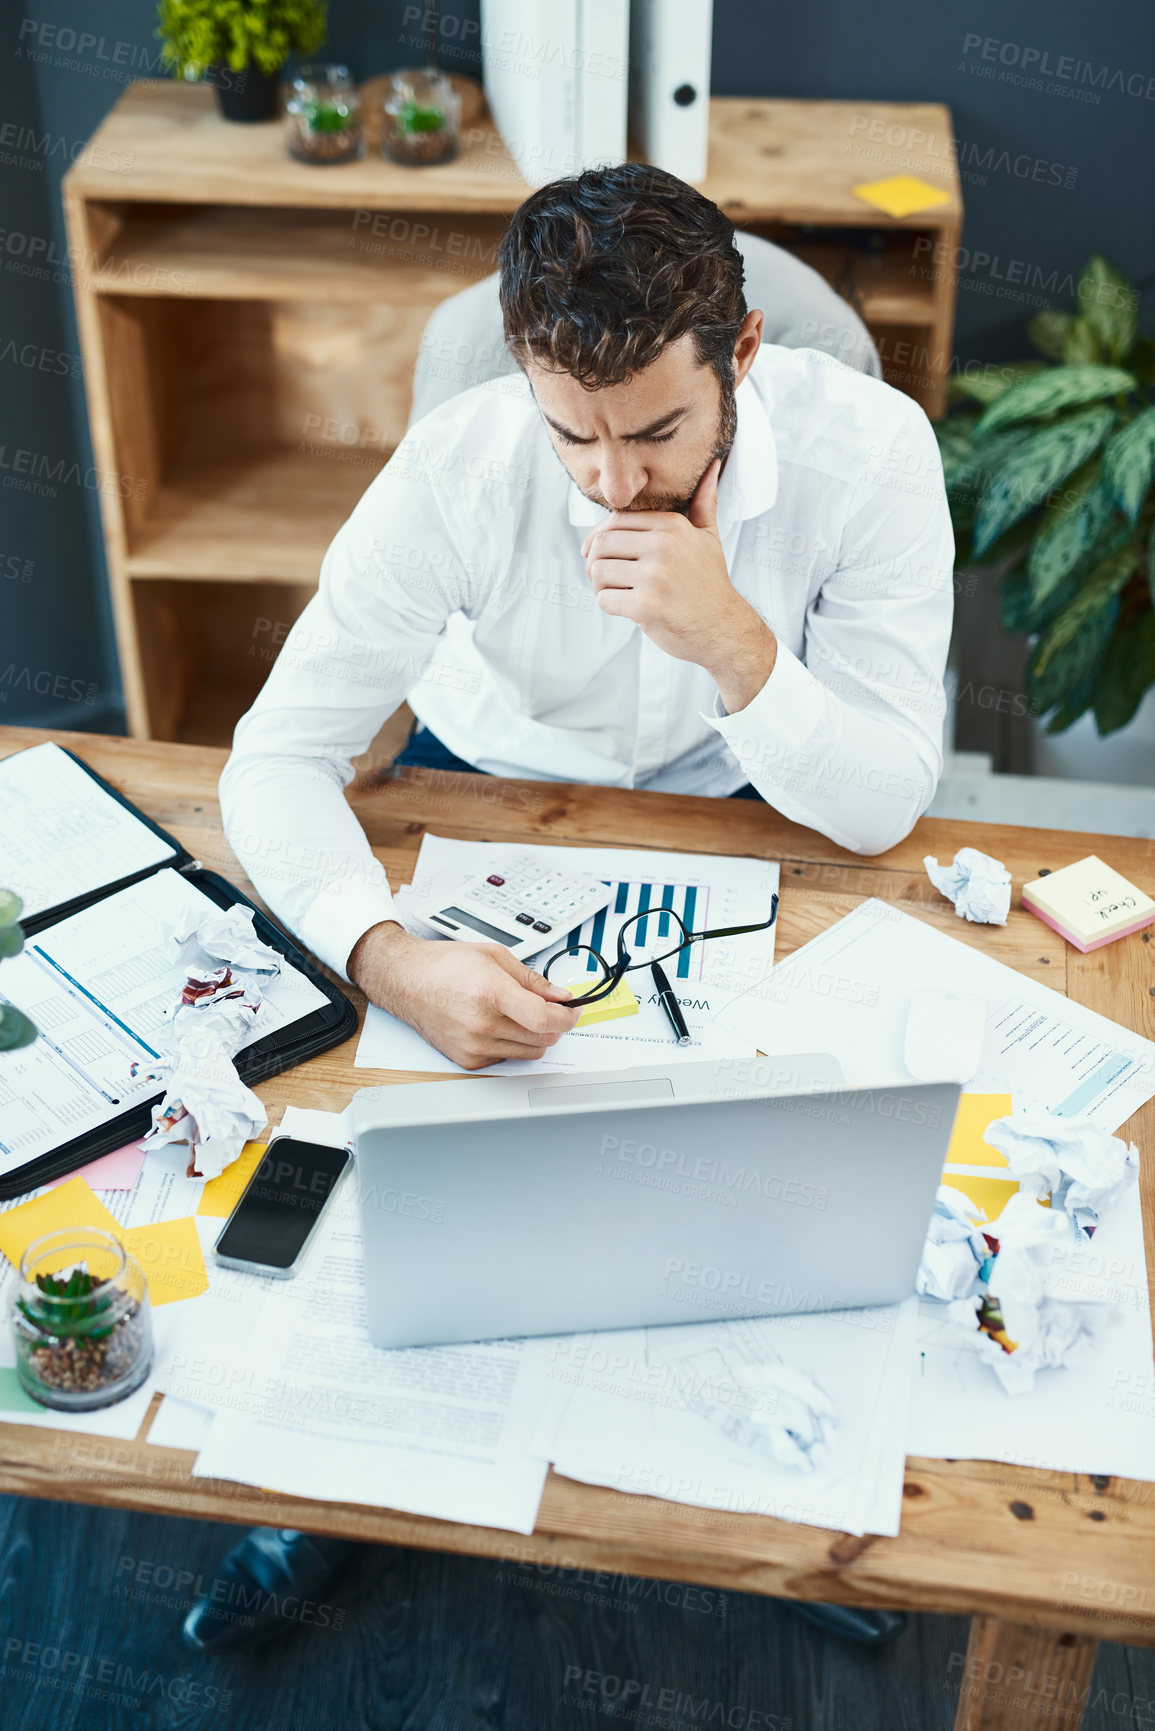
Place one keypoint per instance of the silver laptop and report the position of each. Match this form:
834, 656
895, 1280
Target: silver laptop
678, 1193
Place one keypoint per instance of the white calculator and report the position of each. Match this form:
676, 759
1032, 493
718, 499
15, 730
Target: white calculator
519, 903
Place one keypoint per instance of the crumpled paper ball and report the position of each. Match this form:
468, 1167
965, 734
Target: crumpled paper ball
205, 1102
1028, 1302
1081, 1166
979, 886
955, 1252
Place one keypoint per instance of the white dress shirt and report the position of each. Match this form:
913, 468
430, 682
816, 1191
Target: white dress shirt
458, 583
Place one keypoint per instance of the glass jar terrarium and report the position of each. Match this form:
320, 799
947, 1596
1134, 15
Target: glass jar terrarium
323, 116
81, 1321
422, 119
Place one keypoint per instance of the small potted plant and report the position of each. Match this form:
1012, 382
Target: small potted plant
322, 116
422, 119
240, 46
1049, 470
81, 1321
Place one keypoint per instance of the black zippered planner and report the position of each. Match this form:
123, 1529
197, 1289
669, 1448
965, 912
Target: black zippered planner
316, 1031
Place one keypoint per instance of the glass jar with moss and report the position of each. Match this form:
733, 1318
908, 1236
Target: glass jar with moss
81, 1321
323, 116
422, 119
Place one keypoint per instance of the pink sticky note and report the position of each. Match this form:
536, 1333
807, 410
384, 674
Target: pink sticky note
115, 1171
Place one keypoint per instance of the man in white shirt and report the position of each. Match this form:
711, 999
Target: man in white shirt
663, 556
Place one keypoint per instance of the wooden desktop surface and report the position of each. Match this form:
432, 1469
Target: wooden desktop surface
1006, 1543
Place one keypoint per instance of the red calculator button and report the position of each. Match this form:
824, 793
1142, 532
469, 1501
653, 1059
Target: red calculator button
497, 882
525, 919
540, 926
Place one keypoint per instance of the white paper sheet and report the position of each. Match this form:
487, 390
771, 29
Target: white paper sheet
1095, 1416
306, 1405
61, 835
178, 1424
504, 1492
707, 890
847, 992
627, 1422
100, 986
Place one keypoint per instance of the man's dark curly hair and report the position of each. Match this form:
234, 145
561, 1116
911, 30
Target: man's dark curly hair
600, 271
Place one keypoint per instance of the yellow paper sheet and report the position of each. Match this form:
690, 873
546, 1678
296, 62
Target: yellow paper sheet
74, 1205
621, 1002
989, 1194
975, 1112
967, 1150
170, 1254
221, 1195
901, 194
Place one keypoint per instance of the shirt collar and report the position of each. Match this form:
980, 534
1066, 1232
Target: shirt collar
749, 483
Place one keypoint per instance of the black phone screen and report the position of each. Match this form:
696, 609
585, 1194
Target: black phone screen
281, 1202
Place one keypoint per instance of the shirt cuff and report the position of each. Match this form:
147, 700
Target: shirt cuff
787, 711
341, 914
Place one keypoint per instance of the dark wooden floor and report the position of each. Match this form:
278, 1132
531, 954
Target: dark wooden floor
91, 1603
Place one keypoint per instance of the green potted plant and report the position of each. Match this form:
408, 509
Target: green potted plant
1049, 466
240, 45
15, 1027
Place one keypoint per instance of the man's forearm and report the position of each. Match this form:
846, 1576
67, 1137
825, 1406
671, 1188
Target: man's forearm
370, 959
743, 659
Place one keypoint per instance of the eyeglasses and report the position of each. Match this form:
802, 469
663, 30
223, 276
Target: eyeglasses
639, 946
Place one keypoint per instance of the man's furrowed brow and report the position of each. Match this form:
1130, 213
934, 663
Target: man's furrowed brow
655, 427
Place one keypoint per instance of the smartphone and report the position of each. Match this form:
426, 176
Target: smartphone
270, 1227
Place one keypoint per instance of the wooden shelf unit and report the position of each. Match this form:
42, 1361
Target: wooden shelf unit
250, 326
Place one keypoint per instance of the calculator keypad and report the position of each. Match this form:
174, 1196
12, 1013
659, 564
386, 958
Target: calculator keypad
520, 893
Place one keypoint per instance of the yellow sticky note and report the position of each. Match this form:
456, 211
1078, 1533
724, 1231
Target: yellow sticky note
171, 1256
621, 1002
901, 194
221, 1195
73, 1205
975, 1112
989, 1194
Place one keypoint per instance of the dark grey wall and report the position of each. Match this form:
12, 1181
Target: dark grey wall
1054, 109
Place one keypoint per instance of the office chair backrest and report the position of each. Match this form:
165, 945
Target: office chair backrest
463, 343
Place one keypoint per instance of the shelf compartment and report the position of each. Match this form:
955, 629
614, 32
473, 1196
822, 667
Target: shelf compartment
887, 289
881, 274
207, 652
252, 516
222, 252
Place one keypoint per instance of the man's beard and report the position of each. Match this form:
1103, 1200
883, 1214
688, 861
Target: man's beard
724, 439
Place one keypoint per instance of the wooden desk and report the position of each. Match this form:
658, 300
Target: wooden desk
1000, 1542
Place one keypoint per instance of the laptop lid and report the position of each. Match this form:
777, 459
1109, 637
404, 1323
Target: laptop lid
552, 1204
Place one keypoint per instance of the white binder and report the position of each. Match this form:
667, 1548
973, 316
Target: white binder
555, 74
670, 83
604, 47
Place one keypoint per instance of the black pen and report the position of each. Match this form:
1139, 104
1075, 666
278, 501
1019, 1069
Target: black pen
670, 1004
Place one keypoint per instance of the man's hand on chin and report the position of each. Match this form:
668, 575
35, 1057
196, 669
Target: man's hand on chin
474, 1002
668, 574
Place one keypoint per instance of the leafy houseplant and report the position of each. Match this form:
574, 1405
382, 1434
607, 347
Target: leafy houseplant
241, 45
1049, 472
15, 1028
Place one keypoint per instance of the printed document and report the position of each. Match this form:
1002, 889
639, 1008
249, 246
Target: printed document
848, 992
62, 835
306, 1405
705, 890
100, 987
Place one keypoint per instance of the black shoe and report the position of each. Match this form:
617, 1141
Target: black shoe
851, 1622
273, 1580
